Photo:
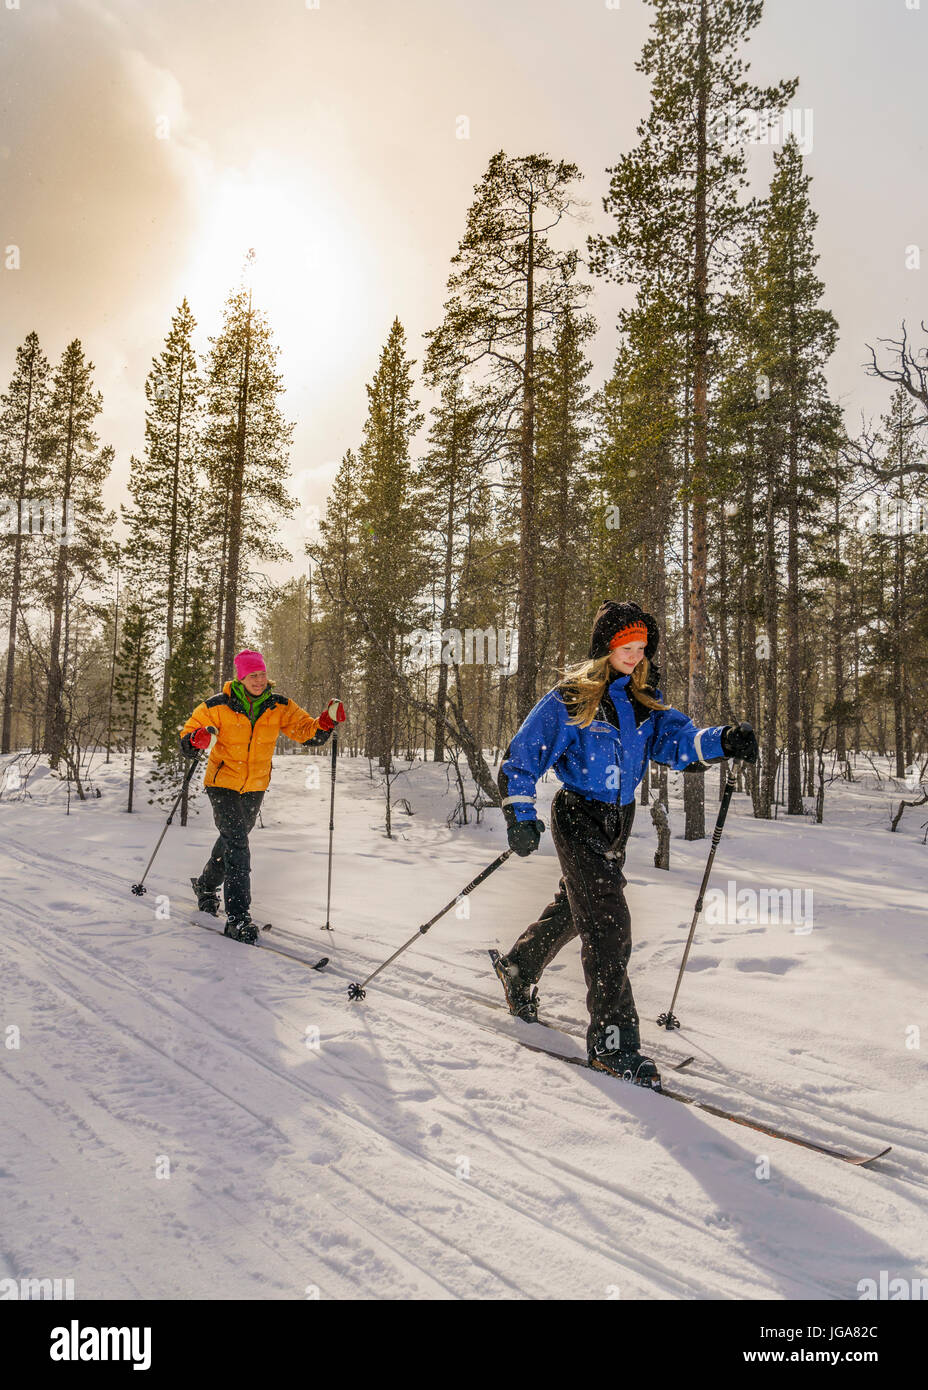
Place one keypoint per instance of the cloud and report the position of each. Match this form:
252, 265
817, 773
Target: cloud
99, 206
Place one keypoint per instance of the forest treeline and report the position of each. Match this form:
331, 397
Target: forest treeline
495, 492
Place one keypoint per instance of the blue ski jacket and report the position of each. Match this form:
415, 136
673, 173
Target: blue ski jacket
602, 762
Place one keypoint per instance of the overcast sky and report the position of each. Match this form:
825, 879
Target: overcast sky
146, 144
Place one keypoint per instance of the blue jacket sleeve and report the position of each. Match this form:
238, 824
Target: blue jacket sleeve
542, 737
678, 743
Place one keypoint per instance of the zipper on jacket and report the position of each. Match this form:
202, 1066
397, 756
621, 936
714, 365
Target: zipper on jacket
250, 737
247, 755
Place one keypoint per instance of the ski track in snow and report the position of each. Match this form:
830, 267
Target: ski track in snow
763, 1103
420, 1152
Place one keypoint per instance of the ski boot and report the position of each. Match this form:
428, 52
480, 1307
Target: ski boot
242, 929
627, 1063
521, 1003
207, 901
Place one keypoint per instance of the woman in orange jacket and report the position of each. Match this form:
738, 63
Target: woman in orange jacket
247, 718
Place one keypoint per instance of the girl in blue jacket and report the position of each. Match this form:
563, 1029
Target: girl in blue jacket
597, 730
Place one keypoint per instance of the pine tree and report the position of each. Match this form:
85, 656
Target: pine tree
75, 469
897, 545
111, 633
637, 459
827, 567
795, 339
134, 689
736, 442
678, 217
562, 483
390, 522
21, 409
484, 598
461, 438
164, 521
336, 557
191, 681
287, 635
247, 443
507, 295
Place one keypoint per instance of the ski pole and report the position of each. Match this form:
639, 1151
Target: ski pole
668, 1020
358, 991
328, 901
139, 888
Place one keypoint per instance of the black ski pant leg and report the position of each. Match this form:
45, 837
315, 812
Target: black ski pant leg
214, 872
584, 834
229, 863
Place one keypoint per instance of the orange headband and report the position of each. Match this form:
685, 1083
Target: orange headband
634, 632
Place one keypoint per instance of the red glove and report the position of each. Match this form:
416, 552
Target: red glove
334, 712
200, 738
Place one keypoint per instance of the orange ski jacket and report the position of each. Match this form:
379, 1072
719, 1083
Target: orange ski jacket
241, 756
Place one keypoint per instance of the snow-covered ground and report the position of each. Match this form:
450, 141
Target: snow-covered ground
186, 1117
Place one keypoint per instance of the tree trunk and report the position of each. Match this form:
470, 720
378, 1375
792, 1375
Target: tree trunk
16, 577
235, 511
770, 759
442, 693
221, 595
793, 656
694, 782
135, 722
54, 712
722, 609
837, 643
527, 667
109, 704
562, 575
897, 621
749, 640
172, 543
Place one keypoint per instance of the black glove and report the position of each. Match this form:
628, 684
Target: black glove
524, 836
319, 737
739, 741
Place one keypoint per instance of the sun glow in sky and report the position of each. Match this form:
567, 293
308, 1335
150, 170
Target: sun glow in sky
308, 268
307, 277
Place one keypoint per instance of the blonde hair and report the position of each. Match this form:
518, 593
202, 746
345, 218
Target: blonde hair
585, 684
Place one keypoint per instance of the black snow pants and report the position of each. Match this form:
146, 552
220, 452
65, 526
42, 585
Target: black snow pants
590, 838
230, 861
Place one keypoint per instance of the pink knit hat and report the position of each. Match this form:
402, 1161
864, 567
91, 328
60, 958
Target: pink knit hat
246, 662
